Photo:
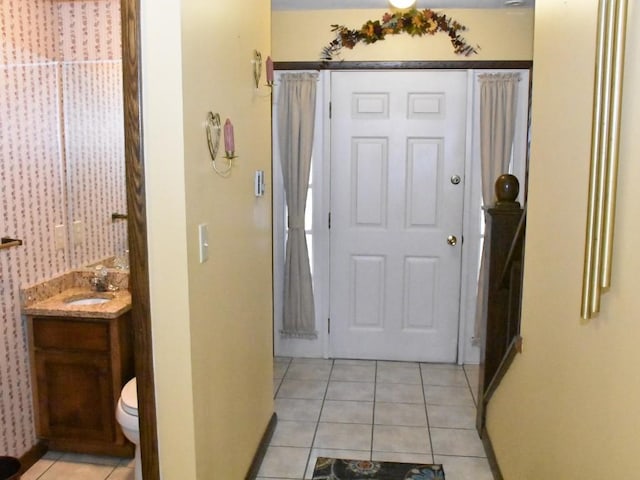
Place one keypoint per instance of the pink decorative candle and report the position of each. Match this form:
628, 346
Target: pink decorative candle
269, 71
229, 142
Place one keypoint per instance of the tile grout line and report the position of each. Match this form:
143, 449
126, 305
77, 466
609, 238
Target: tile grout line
473, 397
111, 473
275, 394
373, 415
47, 469
426, 412
315, 432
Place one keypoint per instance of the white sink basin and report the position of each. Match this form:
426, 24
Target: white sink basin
88, 301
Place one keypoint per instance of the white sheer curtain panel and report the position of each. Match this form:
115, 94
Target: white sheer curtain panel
498, 95
296, 115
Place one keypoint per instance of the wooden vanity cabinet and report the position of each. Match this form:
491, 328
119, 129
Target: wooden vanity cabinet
79, 366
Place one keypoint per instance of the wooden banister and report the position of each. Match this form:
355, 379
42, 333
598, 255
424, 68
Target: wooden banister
500, 340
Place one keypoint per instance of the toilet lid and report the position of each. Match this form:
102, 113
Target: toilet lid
129, 397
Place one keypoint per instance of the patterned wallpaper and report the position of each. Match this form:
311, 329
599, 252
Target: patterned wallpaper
61, 160
94, 142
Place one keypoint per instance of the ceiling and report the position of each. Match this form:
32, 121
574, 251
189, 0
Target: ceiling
343, 4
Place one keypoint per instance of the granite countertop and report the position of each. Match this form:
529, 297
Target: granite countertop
55, 305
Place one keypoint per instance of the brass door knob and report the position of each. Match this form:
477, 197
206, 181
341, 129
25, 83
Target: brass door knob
452, 240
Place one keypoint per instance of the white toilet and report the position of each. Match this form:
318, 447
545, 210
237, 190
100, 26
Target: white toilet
127, 417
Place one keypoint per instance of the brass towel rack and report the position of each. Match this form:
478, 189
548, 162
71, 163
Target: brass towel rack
605, 136
118, 216
6, 242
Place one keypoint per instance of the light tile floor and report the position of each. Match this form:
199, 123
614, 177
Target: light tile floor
72, 466
390, 411
374, 410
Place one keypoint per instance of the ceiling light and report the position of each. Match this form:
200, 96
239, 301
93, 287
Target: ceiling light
402, 3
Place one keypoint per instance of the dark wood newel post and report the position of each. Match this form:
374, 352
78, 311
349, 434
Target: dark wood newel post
502, 278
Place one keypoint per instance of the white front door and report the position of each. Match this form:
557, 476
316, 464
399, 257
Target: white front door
397, 165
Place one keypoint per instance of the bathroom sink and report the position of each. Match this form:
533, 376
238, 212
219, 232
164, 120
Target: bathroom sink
89, 299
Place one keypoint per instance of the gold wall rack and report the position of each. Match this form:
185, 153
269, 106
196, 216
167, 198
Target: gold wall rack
605, 139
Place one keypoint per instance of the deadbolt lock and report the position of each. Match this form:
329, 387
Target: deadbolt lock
452, 240
455, 179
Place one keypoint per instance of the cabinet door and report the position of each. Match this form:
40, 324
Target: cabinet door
75, 397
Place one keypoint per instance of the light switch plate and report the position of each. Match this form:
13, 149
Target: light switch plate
78, 232
58, 236
203, 241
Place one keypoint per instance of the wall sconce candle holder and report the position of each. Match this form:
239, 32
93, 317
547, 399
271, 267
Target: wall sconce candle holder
257, 67
269, 72
214, 132
257, 72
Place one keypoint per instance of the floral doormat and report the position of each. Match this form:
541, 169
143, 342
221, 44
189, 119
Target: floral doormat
337, 469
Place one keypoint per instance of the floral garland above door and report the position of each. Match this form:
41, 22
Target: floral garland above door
414, 22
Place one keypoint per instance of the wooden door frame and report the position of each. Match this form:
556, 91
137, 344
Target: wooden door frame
478, 66
137, 225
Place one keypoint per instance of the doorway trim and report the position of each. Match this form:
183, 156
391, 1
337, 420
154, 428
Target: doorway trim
408, 65
319, 348
137, 225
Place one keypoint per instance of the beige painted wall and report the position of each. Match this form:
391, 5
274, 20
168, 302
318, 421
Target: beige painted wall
166, 219
569, 405
212, 322
230, 295
503, 34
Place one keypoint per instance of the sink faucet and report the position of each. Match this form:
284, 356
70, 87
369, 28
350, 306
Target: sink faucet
99, 280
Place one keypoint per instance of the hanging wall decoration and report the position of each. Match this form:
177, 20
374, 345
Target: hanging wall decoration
416, 23
605, 146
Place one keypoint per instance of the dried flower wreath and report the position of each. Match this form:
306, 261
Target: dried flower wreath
414, 22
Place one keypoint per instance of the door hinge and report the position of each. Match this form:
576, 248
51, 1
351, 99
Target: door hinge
329, 220
330, 109
328, 325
